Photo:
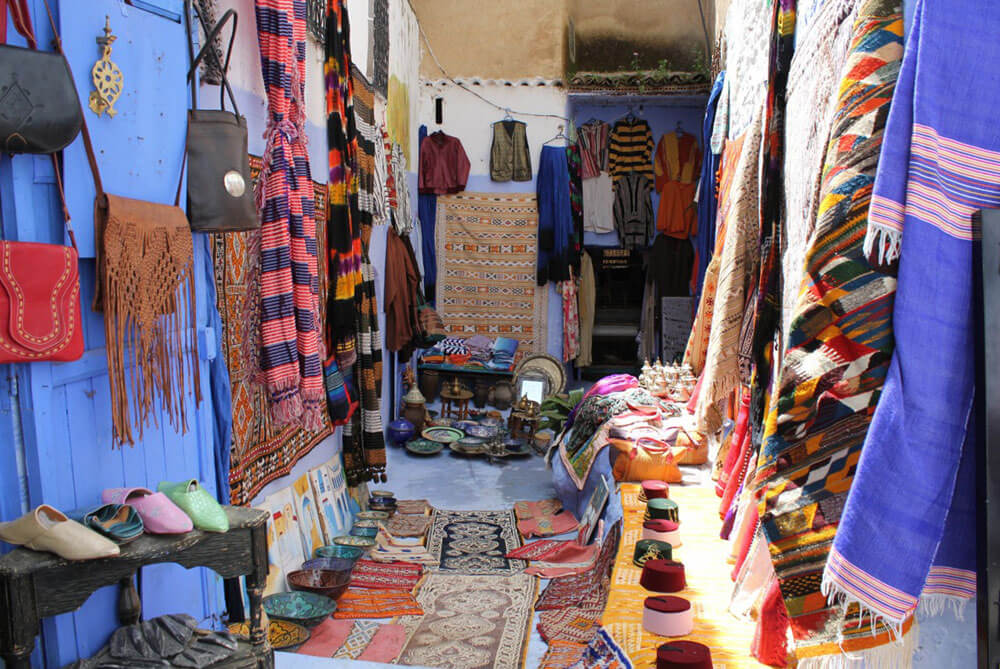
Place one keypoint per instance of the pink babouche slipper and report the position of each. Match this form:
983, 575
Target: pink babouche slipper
158, 513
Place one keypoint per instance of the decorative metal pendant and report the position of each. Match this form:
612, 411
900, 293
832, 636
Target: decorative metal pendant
106, 76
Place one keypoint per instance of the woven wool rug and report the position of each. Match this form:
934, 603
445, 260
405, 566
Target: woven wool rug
487, 247
470, 622
475, 542
709, 585
261, 452
386, 576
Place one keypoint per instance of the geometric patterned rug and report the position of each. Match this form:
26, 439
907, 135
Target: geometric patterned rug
475, 542
470, 622
487, 251
261, 452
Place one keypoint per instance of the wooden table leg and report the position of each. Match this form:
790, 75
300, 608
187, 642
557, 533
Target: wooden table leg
129, 604
18, 621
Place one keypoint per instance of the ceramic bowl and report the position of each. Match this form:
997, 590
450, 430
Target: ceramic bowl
516, 447
320, 581
337, 551
281, 634
492, 421
424, 447
400, 431
442, 422
303, 608
382, 493
372, 515
363, 531
330, 564
444, 435
464, 447
382, 501
363, 543
483, 430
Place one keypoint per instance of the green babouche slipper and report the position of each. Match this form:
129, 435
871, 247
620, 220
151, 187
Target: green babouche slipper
206, 513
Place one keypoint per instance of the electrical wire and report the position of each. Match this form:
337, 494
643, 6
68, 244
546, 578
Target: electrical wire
704, 29
461, 85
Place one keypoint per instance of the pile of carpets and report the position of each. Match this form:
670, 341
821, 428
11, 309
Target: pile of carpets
477, 351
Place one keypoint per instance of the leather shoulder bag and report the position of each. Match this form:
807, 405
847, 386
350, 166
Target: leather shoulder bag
40, 317
39, 108
220, 198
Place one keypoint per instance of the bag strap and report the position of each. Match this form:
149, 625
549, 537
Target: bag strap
22, 21
207, 49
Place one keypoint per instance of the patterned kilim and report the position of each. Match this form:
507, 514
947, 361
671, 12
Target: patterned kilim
602, 653
562, 654
261, 451
588, 589
408, 525
470, 622
709, 585
373, 603
475, 542
486, 247
839, 344
537, 550
359, 638
385, 576
574, 623
412, 507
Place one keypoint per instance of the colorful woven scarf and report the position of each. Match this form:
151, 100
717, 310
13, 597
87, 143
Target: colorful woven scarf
831, 376
708, 191
289, 329
344, 229
908, 532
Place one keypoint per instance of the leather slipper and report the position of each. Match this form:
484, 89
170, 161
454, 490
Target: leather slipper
46, 529
117, 522
159, 515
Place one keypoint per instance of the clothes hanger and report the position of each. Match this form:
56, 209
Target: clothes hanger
679, 130
559, 135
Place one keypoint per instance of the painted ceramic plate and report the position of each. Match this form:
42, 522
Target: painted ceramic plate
424, 447
444, 435
465, 425
303, 608
463, 447
483, 430
282, 635
359, 542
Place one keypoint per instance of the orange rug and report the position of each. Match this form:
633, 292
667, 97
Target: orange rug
708, 581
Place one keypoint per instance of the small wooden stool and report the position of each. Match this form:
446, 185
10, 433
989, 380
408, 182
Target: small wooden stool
455, 401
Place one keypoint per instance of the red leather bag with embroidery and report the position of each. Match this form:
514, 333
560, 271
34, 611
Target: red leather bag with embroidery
39, 303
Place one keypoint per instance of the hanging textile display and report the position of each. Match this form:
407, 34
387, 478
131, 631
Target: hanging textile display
343, 228
368, 137
939, 164
569, 290
708, 191
555, 216
262, 450
676, 164
838, 350
289, 328
739, 259
574, 162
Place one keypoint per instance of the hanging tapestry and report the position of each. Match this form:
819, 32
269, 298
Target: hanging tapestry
262, 450
289, 321
470, 621
344, 227
368, 136
486, 248
838, 349
916, 479
475, 542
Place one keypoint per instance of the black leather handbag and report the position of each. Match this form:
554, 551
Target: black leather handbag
39, 109
220, 196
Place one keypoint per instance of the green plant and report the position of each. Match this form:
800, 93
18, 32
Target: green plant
555, 409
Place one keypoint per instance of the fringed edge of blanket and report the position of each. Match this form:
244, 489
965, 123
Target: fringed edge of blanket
882, 244
892, 655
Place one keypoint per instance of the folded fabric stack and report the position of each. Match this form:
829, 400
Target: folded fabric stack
504, 349
480, 349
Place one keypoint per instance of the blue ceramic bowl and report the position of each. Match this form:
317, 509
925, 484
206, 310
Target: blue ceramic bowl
364, 531
340, 552
305, 608
329, 564
401, 431
464, 425
483, 430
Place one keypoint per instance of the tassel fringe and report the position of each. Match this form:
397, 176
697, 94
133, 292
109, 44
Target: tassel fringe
896, 655
934, 605
887, 241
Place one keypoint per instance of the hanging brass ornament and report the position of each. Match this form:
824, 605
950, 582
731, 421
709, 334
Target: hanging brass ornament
106, 75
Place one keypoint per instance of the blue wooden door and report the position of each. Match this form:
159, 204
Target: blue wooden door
59, 420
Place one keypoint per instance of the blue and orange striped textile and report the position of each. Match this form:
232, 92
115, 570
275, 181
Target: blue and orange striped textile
290, 327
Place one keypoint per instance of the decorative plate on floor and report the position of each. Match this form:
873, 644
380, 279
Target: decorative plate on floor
281, 634
468, 446
483, 430
360, 542
443, 435
424, 447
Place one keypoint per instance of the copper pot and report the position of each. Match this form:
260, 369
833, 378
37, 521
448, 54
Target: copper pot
430, 384
503, 395
415, 413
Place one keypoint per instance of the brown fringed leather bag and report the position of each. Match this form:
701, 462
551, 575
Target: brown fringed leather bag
145, 287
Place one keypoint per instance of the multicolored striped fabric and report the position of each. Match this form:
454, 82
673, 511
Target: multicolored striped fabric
344, 229
830, 379
630, 149
909, 530
289, 329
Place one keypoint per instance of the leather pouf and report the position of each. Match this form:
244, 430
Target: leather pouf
683, 655
667, 615
655, 489
662, 530
651, 549
663, 576
663, 509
